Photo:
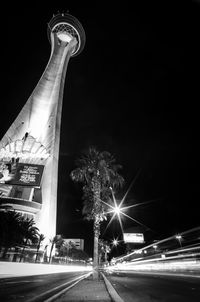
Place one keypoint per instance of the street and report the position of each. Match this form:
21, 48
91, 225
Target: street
28, 287
22, 282
141, 287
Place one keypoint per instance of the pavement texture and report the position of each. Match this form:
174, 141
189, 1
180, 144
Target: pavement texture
87, 290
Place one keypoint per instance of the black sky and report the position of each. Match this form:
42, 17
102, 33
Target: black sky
133, 91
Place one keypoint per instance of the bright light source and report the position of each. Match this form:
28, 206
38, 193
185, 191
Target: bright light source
64, 36
117, 210
115, 242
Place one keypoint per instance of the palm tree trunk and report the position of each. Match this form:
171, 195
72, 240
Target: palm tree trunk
95, 252
15, 255
96, 190
22, 253
50, 256
5, 252
38, 247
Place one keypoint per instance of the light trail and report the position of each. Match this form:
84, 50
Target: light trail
184, 260
12, 269
158, 243
172, 266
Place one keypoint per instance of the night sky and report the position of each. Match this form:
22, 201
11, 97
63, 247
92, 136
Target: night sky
133, 91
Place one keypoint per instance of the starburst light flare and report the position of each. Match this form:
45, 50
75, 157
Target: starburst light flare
118, 211
115, 242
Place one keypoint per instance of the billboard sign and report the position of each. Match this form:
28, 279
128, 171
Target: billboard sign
22, 174
134, 237
76, 243
28, 175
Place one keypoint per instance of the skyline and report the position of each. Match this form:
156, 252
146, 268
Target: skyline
127, 93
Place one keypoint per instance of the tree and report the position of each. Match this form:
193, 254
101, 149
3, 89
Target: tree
77, 254
104, 249
97, 171
29, 233
16, 231
40, 239
65, 248
56, 240
10, 231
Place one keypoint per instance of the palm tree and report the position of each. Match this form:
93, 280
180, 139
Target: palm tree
10, 232
97, 171
40, 239
29, 233
104, 249
57, 239
65, 248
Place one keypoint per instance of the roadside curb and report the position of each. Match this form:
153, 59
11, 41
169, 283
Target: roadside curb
112, 292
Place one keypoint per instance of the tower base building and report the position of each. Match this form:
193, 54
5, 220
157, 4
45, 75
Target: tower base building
29, 150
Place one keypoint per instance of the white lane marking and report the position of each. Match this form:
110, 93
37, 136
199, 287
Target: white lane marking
23, 281
65, 289
57, 287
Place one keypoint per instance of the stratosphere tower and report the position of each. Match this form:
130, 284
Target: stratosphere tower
29, 150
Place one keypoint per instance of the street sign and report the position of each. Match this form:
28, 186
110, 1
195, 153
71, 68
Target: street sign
133, 238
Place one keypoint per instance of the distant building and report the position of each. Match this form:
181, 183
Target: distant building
78, 243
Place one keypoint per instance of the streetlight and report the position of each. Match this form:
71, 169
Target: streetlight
115, 242
155, 247
117, 210
179, 238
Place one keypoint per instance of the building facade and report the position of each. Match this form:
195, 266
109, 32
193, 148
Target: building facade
29, 150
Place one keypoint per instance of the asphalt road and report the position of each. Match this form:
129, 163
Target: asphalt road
28, 287
139, 287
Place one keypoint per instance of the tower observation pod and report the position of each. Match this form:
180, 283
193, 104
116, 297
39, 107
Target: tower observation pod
29, 150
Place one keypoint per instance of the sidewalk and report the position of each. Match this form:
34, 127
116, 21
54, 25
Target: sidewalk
87, 290
91, 290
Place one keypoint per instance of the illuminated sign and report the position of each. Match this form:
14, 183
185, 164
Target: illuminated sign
134, 237
28, 175
21, 174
